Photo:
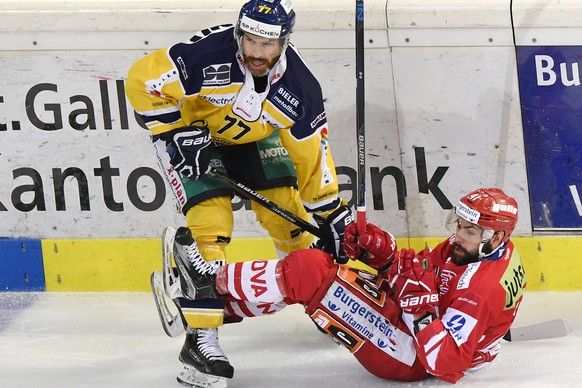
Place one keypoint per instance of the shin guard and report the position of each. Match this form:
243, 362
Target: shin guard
252, 281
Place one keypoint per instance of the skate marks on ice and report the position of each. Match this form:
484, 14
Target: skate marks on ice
83, 340
116, 340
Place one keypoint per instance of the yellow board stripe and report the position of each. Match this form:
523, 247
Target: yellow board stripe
100, 264
80, 265
551, 263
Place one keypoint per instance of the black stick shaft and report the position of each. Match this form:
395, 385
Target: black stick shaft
360, 113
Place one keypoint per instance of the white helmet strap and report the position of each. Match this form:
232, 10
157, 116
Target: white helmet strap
263, 30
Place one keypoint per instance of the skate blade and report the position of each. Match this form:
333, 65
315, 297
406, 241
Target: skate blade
172, 323
193, 378
172, 286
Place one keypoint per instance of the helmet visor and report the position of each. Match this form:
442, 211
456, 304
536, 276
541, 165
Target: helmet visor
466, 229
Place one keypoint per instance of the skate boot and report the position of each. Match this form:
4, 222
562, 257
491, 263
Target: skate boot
203, 362
197, 277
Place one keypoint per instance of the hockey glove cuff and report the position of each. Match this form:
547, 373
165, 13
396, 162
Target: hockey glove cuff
333, 228
374, 247
414, 283
189, 149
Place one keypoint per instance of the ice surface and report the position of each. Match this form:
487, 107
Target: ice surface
115, 340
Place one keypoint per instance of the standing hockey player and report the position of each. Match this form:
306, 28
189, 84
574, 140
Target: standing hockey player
240, 99
441, 312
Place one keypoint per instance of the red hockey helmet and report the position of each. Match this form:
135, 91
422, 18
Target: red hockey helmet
491, 209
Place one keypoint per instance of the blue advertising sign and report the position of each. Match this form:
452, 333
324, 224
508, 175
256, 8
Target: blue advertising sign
551, 105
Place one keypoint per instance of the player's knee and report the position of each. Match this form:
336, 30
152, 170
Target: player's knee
211, 222
286, 236
304, 272
286, 246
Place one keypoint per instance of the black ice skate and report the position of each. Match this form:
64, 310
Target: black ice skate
197, 277
203, 362
192, 279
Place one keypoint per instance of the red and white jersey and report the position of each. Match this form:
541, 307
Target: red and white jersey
478, 303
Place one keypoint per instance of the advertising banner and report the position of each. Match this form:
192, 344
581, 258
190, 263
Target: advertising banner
75, 161
551, 99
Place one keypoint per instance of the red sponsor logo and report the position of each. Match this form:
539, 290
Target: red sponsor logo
258, 283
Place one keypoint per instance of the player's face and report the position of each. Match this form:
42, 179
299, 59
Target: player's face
260, 54
467, 240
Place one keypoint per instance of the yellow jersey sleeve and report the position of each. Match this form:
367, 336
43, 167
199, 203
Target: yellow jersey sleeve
154, 90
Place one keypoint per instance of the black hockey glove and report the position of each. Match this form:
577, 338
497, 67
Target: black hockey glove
189, 149
333, 228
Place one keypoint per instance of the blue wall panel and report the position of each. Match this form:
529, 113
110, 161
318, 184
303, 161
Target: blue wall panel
551, 100
21, 266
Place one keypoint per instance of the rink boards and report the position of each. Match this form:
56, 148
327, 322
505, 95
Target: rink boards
458, 96
126, 264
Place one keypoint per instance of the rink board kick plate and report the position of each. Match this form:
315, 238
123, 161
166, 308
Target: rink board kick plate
21, 267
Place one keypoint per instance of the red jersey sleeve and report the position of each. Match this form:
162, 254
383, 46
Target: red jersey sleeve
478, 302
447, 346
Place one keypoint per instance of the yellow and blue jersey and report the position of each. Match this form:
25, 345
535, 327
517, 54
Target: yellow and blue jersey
206, 79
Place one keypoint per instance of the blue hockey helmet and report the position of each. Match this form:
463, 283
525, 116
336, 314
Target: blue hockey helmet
273, 19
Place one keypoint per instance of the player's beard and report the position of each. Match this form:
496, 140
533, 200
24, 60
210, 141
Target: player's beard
259, 67
462, 256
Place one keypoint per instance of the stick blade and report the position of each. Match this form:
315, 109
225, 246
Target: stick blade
544, 330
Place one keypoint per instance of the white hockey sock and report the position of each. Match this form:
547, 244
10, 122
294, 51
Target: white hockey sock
253, 281
244, 309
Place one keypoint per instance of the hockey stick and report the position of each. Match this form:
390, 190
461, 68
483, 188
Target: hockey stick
360, 110
248, 193
542, 330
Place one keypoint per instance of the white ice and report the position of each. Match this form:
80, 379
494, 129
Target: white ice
115, 340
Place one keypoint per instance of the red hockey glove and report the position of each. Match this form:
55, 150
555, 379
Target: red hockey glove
413, 281
374, 246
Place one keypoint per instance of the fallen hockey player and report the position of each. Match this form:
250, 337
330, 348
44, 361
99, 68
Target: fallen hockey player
441, 312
